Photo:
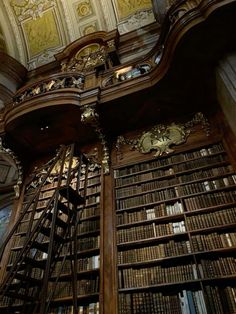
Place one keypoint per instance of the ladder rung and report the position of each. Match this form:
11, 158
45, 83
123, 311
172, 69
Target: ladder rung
28, 279
71, 195
43, 247
59, 222
46, 231
63, 208
35, 263
16, 295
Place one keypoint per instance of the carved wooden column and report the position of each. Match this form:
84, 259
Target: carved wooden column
108, 287
91, 117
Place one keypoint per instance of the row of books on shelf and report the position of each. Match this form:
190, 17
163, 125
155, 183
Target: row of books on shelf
211, 219
84, 287
177, 191
224, 216
145, 187
221, 300
132, 277
91, 308
217, 268
207, 242
154, 252
208, 185
90, 189
148, 231
152, 197
205, 173
90, 212
91, 181
210, 199
181, 157
88, 226
198, 163
137, 178
214, 300
191, 188
83, 264
174, 248
155, 275
149, 213
183, 302
87, 243
176, 169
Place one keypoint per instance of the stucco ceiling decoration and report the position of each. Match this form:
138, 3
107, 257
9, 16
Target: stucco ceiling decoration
39, 29
133, 14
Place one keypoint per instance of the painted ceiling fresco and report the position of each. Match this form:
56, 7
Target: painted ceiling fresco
33, 31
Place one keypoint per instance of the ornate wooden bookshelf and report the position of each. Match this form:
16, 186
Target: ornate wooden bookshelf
176, 239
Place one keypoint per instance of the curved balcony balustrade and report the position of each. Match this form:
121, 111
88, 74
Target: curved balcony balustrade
134, 76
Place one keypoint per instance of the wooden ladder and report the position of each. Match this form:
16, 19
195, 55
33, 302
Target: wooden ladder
25, 287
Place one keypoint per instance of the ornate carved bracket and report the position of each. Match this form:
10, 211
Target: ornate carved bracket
91, 117
161, 137
14, 161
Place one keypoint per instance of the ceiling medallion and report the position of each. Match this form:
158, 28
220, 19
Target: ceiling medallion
30, 8
84, 9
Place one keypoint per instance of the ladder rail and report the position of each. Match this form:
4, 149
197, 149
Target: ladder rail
73, 246
41, 299
36, 230
52, 232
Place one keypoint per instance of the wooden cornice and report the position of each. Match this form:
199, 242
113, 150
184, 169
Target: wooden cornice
12, 69
97, 37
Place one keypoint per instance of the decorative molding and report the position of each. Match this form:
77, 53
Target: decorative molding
90, 116
109, 15
16, 163
17, 33
161, 137
43, 58
84, 9
31, 9
136, 20
69, 22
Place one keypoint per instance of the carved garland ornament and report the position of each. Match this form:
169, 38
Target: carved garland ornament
161, 137
91, 117
17, 164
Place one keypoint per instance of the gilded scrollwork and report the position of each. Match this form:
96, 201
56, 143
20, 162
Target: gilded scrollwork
90, 116
161, 138
75, 81
87, 60
34, 8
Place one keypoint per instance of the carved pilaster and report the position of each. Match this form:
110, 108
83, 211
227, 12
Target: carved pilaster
91, 117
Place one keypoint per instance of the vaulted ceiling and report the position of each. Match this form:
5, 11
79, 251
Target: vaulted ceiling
33, 31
